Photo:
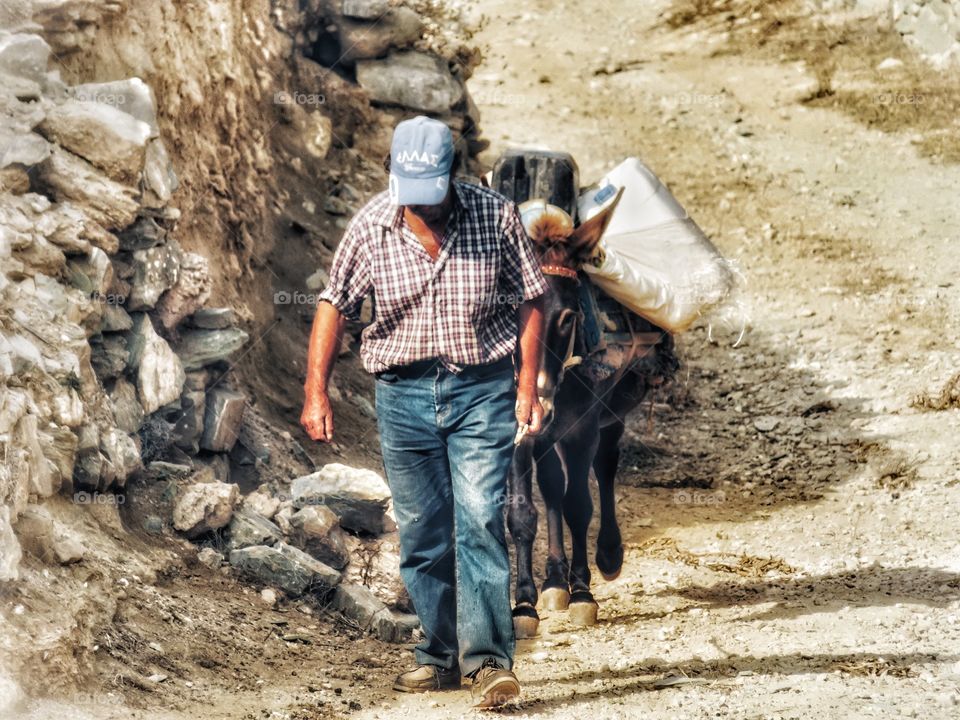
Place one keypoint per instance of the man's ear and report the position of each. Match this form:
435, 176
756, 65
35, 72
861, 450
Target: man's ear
584, 239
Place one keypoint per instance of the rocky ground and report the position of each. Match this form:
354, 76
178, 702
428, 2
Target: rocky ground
787, 506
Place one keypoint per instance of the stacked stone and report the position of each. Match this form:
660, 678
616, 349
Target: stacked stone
325, 537
107, 355
395, 59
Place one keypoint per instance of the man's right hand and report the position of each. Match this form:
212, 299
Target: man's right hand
317, 417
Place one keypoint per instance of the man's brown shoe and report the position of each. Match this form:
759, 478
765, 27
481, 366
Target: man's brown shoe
425, 678
495, 685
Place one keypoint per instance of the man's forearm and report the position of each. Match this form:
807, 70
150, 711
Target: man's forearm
325, 340
531, 343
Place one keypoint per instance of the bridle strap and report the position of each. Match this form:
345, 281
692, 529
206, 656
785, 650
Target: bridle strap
570, 360
560, 271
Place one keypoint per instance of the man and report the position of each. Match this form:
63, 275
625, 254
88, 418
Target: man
454, 282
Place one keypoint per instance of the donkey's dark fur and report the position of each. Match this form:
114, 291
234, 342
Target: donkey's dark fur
585, 421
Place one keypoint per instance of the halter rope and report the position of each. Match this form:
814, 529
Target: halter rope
570, 360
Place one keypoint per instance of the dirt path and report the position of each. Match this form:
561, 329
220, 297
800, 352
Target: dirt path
792, 547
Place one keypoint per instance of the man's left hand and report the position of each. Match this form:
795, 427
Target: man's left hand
529, 411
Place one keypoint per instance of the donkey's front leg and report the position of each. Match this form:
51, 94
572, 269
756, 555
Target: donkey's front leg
555, 594
609, 543
577, 511
522, 522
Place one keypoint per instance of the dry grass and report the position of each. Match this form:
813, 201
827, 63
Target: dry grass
749, 566
873, 667
947, 399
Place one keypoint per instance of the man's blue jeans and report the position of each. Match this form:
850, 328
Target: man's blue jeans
447, 442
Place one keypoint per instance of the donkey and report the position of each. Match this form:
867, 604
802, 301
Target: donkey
583, 422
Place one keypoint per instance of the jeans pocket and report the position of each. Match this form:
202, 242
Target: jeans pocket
387, 376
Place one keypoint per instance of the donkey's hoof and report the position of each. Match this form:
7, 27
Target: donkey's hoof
555, 598
611, 576
610, 565
525, 621
525, 627
583, 610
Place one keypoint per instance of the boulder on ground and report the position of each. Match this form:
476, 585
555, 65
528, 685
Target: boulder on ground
316, 530
47, 540
204, 506
248, 528
210, 557
394, 627
357, 603
358, 497
285, 567
262, 502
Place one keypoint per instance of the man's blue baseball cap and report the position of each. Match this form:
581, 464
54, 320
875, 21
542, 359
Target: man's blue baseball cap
421, 157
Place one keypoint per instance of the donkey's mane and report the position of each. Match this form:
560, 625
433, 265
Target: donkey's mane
549, 230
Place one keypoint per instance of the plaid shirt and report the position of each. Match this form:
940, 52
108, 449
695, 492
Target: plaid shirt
461, 308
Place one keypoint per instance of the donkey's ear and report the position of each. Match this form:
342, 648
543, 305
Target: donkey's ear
584, 239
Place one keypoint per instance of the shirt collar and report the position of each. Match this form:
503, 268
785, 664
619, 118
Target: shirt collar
391, 215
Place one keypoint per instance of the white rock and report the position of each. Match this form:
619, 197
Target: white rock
10, 552
104, 136
260, 501
159, 374
204, 506
359, 497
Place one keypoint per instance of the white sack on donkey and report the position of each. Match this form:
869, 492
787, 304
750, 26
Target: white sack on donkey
653, 257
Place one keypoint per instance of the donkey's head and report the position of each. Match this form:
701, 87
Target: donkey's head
562, 250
